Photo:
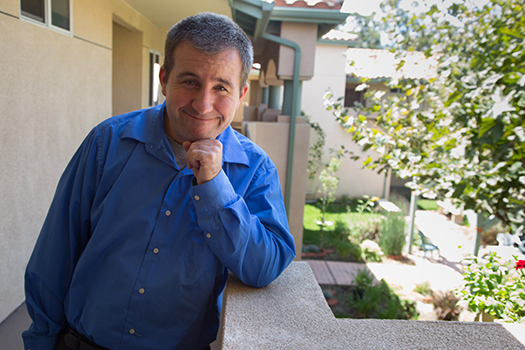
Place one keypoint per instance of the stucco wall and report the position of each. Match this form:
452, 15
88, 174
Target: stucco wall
54, 89
329, 73
273, 138
127, 69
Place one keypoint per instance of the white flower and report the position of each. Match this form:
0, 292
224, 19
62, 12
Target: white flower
522, 80
491, 81
501, 104
379, 94
520, 132
361, 87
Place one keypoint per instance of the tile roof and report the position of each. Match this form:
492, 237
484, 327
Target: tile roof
339, 35
317, 4
379, 64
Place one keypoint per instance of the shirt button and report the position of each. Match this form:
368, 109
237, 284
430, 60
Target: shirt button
208, 235
156, 250
197, 198
168, 213
142, 290
131, 331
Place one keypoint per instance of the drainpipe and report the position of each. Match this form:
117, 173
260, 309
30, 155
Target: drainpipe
294, 113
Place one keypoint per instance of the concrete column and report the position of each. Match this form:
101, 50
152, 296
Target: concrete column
265, 95
274, 101
287, 97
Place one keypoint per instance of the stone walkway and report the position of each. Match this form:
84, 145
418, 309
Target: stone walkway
440, 276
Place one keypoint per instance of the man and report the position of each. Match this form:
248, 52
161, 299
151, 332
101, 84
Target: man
155, 206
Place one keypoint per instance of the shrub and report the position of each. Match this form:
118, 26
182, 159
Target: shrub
347, 249
488, 236
392, 233
379, 300
424, 289
371, 251
366, 204
495, 286
365, 230
446, 306
343, 244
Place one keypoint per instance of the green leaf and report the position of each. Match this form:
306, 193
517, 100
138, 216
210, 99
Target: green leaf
513, 33
486, 125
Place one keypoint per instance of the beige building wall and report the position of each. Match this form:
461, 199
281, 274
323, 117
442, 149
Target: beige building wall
329, 73
273, 139
55, 87
305, 35
127, 69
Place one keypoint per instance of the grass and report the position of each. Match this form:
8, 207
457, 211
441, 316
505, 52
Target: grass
339, 212
336, 212
426, 204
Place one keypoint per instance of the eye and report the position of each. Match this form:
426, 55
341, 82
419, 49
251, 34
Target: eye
221, 88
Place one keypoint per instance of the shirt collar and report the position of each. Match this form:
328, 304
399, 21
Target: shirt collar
233, 151
148, 127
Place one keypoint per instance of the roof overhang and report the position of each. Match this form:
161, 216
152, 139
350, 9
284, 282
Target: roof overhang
254, 16
326, 20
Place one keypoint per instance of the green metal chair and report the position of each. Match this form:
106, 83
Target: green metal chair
427, 245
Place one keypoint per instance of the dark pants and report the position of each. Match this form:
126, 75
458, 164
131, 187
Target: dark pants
72, 340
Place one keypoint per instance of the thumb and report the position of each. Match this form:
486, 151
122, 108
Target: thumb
186, 145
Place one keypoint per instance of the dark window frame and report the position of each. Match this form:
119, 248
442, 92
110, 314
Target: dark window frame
54, 14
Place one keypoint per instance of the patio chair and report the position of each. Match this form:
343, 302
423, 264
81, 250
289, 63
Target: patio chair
427, 245
508, 240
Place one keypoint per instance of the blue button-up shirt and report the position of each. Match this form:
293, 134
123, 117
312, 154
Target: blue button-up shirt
133, 256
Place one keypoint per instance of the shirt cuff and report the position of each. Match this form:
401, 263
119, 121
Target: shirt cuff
213, 195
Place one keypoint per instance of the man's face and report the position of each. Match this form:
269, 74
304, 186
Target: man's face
202, 93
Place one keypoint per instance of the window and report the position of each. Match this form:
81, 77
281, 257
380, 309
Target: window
154, 80
34, 9
353, 97
53, 13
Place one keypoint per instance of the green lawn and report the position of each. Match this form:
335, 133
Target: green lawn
425, 204
336, 212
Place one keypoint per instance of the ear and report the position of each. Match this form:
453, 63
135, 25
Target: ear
243, 93
163, 79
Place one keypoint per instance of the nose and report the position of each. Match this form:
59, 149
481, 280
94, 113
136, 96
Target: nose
203, 101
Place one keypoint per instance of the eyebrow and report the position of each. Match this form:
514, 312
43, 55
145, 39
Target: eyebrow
191, 74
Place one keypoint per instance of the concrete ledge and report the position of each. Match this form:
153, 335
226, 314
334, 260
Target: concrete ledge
291, 313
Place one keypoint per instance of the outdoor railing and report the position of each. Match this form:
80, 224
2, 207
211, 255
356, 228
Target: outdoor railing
292, 313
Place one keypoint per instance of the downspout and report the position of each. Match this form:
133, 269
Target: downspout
294, 112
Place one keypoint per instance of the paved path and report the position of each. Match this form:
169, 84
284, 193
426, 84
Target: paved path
440, 276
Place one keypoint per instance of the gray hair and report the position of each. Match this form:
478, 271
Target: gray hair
211, 33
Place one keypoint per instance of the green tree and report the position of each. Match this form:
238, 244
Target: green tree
367, 29
460, 133
405, 29
329, 183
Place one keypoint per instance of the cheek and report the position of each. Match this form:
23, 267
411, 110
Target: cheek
178, 98
227, 106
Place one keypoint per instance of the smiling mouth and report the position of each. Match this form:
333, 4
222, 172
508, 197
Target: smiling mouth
200, 118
